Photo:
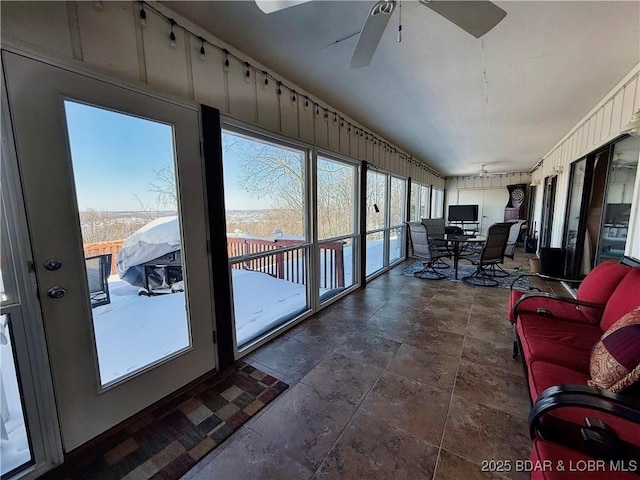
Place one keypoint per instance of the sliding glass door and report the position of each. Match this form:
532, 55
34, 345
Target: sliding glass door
337, 226
385, 210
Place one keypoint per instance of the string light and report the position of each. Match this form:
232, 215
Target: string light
202, 52
266, 80
307, 104
172, 35
143, 16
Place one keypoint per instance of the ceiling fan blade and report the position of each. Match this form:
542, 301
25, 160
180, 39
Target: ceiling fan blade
474, 17
371, 33
270, 6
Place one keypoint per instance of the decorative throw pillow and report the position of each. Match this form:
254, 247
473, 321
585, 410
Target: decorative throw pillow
615, 359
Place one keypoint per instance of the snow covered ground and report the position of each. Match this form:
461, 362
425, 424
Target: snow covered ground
133, 332
14, 446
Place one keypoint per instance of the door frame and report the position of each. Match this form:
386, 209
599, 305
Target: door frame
29, 339
77, 68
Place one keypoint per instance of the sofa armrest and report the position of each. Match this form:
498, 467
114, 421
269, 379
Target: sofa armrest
548, 305
563, 396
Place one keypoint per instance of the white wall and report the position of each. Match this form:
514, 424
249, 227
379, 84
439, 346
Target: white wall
112, 41
599, 127
453, 184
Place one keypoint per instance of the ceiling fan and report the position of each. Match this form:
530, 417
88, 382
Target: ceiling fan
483, 172
475, 17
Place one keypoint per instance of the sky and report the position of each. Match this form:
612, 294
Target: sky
115, 157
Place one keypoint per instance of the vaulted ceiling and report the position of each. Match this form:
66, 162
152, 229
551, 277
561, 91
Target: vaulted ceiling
449, 99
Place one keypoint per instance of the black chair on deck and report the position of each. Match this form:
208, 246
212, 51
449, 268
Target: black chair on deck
98, 271
423, 250
492, 254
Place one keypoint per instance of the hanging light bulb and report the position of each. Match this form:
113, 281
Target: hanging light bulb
226, 60
294, 97
306, 103
202, 52
279, 89
266, 81
247, 74
143, 16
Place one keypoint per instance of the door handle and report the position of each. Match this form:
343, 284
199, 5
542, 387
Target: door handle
56, 291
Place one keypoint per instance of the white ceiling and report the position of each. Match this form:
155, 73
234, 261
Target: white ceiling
547, 65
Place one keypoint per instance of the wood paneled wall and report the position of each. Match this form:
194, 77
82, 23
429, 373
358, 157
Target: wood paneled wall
112, 41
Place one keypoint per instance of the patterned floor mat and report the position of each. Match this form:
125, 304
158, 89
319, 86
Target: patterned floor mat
166, 443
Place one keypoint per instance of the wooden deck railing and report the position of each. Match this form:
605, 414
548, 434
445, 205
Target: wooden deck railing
100, 248
288, 265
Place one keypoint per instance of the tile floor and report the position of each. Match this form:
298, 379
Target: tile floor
407, 378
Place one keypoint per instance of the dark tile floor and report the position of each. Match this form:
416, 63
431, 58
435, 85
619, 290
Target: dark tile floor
407, 378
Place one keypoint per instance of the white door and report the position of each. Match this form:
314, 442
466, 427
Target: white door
491, 203
98, 161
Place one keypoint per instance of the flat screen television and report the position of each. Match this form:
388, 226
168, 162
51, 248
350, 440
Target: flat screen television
463, 213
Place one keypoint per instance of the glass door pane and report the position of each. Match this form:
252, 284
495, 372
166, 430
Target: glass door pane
125, 182
264, 189
376, 207
15, 448
621, 180
336, 187
397, 202
414, 214
573, 220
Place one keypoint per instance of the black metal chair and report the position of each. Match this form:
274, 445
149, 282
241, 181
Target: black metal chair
98, 271
423, 250
436, 231
491, 255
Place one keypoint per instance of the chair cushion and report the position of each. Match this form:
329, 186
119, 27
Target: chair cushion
615, 360
598, 286
544, 374
555, 462
624, 299
562, 342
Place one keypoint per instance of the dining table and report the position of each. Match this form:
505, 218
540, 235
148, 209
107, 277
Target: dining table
456, 242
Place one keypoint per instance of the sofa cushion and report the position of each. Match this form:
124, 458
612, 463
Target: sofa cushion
556, 340
624, 299
615, 360
544, 374
598, 286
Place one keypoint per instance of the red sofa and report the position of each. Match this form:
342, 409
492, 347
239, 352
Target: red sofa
555, 338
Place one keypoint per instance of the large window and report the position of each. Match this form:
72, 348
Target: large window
437, 203
337, 226
385, 210
420, 202
267, 236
